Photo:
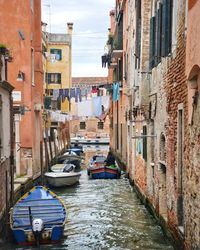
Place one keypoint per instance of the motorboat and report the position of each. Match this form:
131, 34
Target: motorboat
38, 217
98, 170
62, 175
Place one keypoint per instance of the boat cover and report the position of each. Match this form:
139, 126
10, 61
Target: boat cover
44, 204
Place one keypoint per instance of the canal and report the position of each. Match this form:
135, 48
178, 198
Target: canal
106, 215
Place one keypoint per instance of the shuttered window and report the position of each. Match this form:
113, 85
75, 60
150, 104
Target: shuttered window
160, 33
138, 30
57, 53
53, 78
144, 151
166, 27
152, 42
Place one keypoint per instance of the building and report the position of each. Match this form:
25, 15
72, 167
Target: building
57, 63
90, 127
149, 122
21, 33
6, 143
192, 160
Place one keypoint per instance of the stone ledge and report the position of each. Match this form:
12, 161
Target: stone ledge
17, 187
22, 180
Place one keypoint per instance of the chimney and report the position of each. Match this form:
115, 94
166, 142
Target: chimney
70, 28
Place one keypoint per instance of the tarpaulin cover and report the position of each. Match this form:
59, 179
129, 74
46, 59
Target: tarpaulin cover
43, 205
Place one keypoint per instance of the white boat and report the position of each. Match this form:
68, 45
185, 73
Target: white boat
61, 179
83, 140
57, 168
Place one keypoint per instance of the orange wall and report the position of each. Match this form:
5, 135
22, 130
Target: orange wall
193, 37
17, 15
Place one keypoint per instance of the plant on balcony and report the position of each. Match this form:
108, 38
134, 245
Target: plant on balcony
7, 53
3, 49
110, 39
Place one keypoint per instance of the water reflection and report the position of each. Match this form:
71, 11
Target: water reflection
107, 215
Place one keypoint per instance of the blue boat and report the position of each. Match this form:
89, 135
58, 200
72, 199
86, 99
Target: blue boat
104, 172
98, 170
38, 217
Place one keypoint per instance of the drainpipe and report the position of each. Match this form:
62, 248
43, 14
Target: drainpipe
17, 143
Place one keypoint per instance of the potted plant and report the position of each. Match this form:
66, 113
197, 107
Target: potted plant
3, 49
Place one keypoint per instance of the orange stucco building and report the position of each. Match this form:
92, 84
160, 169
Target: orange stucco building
20, 32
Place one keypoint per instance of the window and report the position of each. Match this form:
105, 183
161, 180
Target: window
160, 32
53, 78
82, 125
144, 151
138, 32
57, 53
100, 125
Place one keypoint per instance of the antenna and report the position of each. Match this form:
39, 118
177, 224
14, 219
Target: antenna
49, 6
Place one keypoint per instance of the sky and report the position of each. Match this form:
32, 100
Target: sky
91, 22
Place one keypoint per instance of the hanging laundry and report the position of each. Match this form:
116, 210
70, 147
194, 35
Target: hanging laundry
78, 95
85, 108
105, 102
94, 90
60, 95
104, 60
116, 93
55, 93
72, 93
97, 106
84, 92
139, 150
47, 102
66, 93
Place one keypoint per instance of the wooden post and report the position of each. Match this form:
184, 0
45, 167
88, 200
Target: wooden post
46, 153
41, 162
50, 147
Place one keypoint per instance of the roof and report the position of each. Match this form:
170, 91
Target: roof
89, 81
59, 38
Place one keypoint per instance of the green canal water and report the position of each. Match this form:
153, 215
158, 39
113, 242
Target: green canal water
106, 215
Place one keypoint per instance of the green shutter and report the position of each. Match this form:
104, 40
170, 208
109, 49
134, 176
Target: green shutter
48, 78
144, 151
60, 54
152, 43
59, 78
166, 27
158, 38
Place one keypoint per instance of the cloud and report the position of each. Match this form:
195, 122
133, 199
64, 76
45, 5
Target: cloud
91, 21
88, 69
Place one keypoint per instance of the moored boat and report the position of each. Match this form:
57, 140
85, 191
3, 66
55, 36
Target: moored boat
38, 217
98, 170
61, 179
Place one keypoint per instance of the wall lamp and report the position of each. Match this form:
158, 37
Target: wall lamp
20, 76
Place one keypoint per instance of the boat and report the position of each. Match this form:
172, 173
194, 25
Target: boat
69, 157
98, 170
83, 140
62, 175
62, 167
38, 217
